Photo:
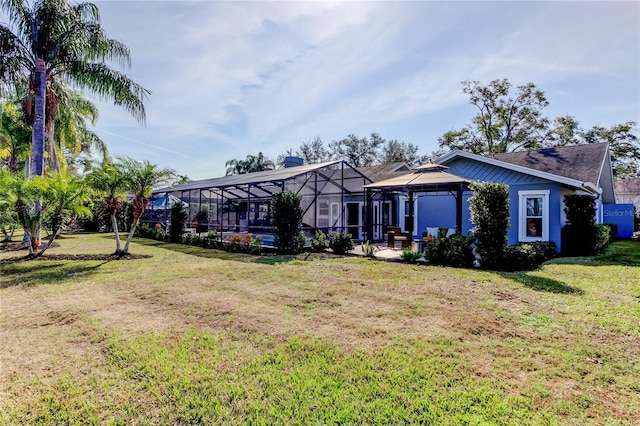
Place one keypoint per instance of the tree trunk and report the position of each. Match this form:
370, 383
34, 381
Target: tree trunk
56, 230
130, 236
54, 164
38, 133
114, 224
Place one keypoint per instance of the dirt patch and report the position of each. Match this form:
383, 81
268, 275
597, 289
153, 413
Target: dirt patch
89, 257
12, 246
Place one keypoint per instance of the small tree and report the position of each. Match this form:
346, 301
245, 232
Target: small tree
178, 222
286, 218
21, 192
579, 234
65, 196
140, 179
489, 207
110, 182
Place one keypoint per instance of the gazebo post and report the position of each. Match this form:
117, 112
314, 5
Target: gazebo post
409, 226
459, 208
369, 214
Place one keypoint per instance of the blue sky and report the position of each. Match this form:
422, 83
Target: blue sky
234, 78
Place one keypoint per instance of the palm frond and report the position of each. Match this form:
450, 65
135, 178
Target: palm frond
108, 83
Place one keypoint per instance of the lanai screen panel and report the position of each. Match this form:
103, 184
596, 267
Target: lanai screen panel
241, 202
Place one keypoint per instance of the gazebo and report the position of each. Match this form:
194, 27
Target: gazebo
424, 179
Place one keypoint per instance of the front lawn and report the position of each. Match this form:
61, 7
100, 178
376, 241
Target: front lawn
198, 336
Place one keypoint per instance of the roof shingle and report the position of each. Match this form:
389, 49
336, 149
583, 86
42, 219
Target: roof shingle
579, 162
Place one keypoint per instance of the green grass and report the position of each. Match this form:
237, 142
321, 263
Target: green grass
189, 379
191, 336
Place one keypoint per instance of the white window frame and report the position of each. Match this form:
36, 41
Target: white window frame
522, 214
336, 222
324, 208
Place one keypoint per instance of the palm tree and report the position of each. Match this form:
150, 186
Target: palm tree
259, 163
64, 196
235, 167
253, 163
111, 182
140, 179
15, 138
52, 40
72, 132
21, 192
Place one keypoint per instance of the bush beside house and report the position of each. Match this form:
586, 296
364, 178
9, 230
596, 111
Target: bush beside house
286, 218
581, 236
489, 206
178, 222
455, 250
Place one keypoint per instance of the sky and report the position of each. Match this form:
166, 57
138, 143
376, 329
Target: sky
229, 79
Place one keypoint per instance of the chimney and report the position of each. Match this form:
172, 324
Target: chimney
293, 162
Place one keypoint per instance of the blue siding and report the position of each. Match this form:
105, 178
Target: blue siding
555, 210
475, 170
438, 209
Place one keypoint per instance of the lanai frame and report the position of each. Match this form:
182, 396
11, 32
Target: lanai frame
231, 198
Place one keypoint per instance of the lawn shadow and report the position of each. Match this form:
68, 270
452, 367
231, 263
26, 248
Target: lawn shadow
537, 283
625, 252
210, 253
32, 273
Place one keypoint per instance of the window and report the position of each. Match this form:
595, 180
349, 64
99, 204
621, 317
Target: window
323, 209
336, 213
323, 214
533, 221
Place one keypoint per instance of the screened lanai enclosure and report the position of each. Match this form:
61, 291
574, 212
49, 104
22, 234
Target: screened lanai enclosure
332, 199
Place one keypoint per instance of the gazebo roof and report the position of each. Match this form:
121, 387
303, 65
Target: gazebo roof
428, 177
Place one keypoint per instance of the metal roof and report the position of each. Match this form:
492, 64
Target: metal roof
426, 177
277, 175
338, 175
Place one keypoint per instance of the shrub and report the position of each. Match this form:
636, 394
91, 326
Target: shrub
579, 234
235, 243
368, 249
527, 256
99, 221
211, 240
604, 235
456, 250
146, 231
341, 243
286, 218
319, 242
177, 222
409, 255
613, 230
125, 217
191, 239
202, 220
489, 207
255, 246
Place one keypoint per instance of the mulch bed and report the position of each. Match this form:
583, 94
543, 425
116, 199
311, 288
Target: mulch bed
15, 247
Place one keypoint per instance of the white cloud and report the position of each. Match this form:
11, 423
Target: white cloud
233, 78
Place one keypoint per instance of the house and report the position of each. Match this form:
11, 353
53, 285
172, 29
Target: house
337, 197
628, 192
538, 180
